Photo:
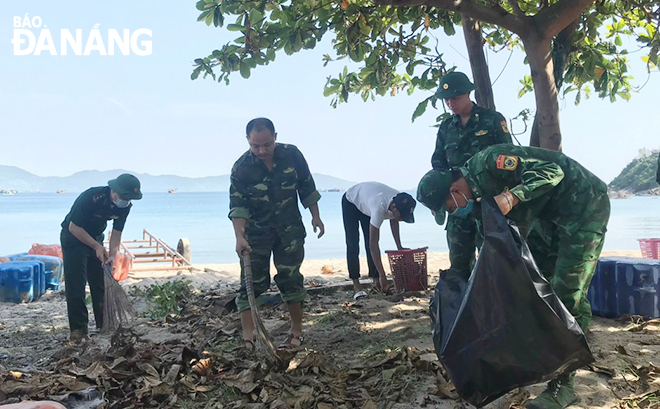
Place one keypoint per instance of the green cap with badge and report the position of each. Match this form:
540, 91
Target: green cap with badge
432, 192
454, 84
127, 186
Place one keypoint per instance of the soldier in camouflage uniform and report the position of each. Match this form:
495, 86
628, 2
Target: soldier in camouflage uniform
470, 130
529, 185
266, 182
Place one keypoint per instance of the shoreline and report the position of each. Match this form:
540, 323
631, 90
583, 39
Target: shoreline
322, 271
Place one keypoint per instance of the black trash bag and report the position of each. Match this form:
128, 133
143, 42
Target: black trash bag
505, 328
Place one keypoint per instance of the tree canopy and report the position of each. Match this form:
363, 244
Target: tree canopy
576, 47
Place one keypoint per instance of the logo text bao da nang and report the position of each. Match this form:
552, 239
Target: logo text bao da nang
32, 37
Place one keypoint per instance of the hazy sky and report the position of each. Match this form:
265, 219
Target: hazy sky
62, 114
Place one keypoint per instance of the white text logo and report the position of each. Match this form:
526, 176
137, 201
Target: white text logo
29, 41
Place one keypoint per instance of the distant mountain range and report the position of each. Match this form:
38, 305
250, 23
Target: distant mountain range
18, 179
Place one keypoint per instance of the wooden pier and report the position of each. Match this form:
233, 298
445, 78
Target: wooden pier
151, 253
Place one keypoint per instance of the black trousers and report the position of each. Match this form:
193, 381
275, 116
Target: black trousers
80, 267
353, 219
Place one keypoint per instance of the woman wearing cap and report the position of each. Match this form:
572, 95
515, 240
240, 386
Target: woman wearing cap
83, 250
368, 204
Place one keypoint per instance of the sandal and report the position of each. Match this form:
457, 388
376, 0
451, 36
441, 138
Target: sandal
249, 345
359, 294
292, 342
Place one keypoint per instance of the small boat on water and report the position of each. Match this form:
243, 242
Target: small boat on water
8, 192
171, 191
61, 192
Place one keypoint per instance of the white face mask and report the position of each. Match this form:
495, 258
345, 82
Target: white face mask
122, 204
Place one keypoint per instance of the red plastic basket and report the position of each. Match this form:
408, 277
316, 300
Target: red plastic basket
650, 248
409, 269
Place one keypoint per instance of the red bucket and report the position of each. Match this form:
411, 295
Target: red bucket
650, 248
409, 269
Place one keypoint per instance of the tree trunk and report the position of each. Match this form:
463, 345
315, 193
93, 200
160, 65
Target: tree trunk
474, 43
546, 120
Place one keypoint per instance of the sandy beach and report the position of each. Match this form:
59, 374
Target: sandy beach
208, 275
353, 344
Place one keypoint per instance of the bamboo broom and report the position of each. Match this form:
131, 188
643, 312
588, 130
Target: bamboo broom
263, 338
117, 307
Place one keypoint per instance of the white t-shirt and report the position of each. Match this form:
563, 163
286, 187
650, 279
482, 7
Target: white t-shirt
372, 199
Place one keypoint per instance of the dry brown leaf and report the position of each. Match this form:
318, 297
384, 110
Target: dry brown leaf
446, 389
72, 383
369, 404
11, 387
243, 381
279, 404
118, 362
151, 376
94, 371
620, 349
172, 374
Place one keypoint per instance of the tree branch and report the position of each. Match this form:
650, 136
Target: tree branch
492, 15
552, 20
516, 8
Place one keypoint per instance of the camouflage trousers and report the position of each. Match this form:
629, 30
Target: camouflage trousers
287, 258
463, 238
568, 261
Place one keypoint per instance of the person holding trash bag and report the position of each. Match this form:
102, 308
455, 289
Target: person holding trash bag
532, 185
82, 246
471, 129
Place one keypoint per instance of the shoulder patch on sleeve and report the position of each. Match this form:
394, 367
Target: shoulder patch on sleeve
504, 127
507, 162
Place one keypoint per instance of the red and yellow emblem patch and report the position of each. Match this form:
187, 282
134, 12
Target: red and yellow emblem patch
504, 127
507, 162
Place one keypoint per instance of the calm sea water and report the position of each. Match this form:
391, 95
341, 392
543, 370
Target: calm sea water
28, 218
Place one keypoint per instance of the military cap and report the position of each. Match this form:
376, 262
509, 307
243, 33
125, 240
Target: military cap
454, 84
127, 186
432, 192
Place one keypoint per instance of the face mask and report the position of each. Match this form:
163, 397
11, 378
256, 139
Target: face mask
462, 212
122, 204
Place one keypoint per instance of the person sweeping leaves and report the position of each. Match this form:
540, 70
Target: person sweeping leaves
82, 246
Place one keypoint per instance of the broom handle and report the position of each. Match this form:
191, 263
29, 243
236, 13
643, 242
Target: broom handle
259, 328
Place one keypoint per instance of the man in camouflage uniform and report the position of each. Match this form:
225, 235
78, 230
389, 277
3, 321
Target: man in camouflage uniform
265, 183
470, 130
530, 185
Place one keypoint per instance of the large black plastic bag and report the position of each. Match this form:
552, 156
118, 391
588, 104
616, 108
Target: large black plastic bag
505, 328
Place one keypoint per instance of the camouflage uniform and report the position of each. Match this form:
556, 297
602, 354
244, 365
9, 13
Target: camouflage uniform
268, 201
569, 201
456, 144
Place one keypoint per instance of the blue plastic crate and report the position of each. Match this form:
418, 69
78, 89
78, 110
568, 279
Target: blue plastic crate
16, 281
54, 272
625, 286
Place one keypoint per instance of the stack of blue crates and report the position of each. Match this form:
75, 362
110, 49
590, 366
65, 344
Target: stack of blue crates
625, 286
27, 277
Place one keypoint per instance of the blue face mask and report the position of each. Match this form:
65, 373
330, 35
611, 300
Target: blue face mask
122, 204
462, 212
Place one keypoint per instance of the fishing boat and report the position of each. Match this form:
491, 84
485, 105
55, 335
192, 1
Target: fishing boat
61, 192
171, 191
8, 192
